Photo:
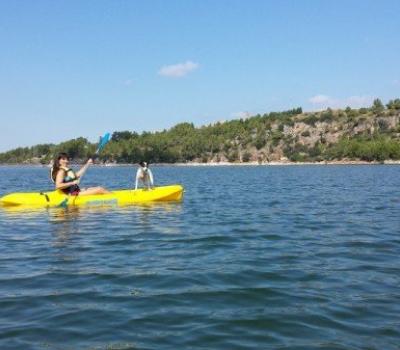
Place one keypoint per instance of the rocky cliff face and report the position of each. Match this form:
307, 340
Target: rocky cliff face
304, 133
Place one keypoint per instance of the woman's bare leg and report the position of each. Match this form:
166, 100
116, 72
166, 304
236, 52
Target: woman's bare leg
93, 190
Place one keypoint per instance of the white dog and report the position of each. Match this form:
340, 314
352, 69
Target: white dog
145, 175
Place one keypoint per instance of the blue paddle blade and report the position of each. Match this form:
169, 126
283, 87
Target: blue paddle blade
103, 141
64, 203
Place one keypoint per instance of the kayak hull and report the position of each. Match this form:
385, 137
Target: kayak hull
119, 197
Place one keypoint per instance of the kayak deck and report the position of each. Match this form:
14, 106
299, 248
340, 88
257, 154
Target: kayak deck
118, 197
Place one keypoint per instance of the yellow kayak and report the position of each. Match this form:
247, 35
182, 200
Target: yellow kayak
119, 197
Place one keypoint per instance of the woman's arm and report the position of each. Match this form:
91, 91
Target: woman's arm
59, 181
84, 168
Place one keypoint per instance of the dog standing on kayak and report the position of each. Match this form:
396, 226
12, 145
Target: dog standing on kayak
144, 175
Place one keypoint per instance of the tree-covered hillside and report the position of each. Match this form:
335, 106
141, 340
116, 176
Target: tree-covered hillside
371, 134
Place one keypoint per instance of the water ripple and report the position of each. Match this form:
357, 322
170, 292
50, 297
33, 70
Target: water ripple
259, 257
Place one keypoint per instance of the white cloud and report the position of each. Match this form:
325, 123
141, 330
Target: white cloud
324, 101
178, 70
359, 101
320, 99
240, 115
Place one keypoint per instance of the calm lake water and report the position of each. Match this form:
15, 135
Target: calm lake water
299, 257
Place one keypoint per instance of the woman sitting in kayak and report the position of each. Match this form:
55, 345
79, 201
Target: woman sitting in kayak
67, 180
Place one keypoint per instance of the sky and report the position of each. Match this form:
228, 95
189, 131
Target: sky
83, 68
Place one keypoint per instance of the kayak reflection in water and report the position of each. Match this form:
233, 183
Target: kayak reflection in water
144, 175
66, 180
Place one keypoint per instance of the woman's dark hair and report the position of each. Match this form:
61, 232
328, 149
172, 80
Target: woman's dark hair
56, 165
143, 163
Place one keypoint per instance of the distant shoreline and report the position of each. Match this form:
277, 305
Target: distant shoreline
198, 164
387, 162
